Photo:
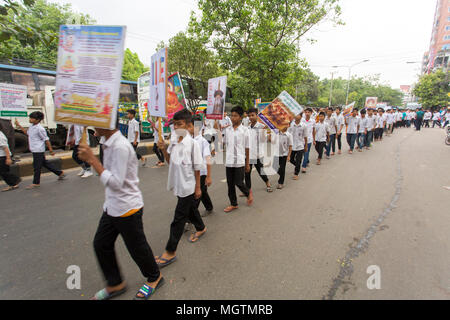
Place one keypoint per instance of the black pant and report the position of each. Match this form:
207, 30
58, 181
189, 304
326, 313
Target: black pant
418, 124
139, 157
235, 178
100, 155
436, 122
10, 179
259, 168
81, 163
158, 153
39, 161
339, 141
296, 160
185, 211
427, 123
132, 231
281, 170
205, 199
320, 146
8, 130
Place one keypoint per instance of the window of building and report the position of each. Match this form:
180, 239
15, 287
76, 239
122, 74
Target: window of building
446, 47
447, 37
447, 28
46, 80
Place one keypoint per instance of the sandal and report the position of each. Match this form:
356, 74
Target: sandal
195, 238
269, 189
10, 188
230, 209
147, 291
105, 295
166, 262
33, 186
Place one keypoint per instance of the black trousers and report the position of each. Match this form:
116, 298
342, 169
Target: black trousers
339, 141
185, 211
8, 130
259, 168
235, 178
139, 157
81, 163
281, 170
418, 124
205, 199
10, 179
39, 161
320, 146
296, 160
158, 153
132, 231
426, 123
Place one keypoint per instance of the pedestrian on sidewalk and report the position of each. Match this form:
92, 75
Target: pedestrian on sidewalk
11, 179
299, 133
122, 215
321, 135
37, 141
185, 160
419, 119
257, 142
74, 135
134, 135
352, 129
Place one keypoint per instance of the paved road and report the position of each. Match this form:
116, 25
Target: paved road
313, 240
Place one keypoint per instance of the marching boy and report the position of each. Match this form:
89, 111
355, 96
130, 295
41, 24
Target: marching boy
37, 140
283, 150
185, 164
122, 215
299, 133
134, 136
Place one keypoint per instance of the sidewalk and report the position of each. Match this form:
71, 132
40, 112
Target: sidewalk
63, 160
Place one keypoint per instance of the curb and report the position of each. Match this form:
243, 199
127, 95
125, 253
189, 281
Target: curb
65, 162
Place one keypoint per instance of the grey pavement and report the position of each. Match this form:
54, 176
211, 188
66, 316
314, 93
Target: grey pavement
314, 239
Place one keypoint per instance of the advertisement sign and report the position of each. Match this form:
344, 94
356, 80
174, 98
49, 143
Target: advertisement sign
90, 60
13, 100
280, 113
217, 89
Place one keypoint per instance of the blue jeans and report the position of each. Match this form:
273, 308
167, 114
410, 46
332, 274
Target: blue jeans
331, 145
361, 140
369, 138
351, 139
306, 158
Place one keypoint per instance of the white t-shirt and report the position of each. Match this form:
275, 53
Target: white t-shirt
352, 123
36, 138
362, 124
237, 140
321, 131
309, 127
340, 121
436, 116
133, 127
371, 122
427, 116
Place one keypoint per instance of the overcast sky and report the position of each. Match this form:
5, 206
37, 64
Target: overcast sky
387, 32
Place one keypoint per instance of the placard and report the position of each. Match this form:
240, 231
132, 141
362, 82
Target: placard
13, 100
280, 113
371, 102
175, 96
158, 84
217, 90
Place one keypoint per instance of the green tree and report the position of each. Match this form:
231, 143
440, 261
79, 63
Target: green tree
133, 68
256, 40
36, 28
432, 89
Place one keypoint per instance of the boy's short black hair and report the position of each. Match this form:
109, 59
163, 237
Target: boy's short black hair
132, 112
339, 108
238, 110
309, 109
355, 109
322, 113
37, 115
252, 110
183, 115
363, 111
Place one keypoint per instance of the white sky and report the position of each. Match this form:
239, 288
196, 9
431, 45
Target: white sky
388, 32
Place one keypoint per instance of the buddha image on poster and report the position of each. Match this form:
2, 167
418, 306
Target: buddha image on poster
175, 95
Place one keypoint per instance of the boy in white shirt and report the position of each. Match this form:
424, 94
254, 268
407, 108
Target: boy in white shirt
134, 136
340, 126
380, 125
332, 124
300, 143
309, 122
283, 150
122, 215
352, 123
37, 141
321, 135
74, 136
362, 131
436, 119
185, 164
245, 120
371, 125
5, 161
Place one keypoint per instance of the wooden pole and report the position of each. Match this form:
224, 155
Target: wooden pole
84, 139
160, 135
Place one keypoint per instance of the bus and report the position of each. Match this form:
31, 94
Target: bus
40, 85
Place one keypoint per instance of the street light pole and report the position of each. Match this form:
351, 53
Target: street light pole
349, 76
331, 89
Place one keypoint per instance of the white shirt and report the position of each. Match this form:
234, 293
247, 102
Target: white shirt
257, 139
352, 125
340, 121
436, 116
282, 143
427, 116
36, 138
371, 122
237, 140
3, 144
321, 131
332, 124
309, 127
225, 122
206, 152
133, 127
246, 122
362, 124
120, 177
380, 121
389, 118
208, 127
299, 133
185, 159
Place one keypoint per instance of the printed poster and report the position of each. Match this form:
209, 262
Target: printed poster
371, 102
175, 98
348, 110
158, 85
280, 113
217, 89
90, 60
13, 100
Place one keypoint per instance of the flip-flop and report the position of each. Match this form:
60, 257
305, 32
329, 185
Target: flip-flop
105, 295
269, 189
166, 262
148, 291
10, 188
196, 239
230, 209
33, 187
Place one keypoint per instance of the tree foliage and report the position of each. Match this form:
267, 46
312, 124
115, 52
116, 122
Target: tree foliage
432, 89
133, 68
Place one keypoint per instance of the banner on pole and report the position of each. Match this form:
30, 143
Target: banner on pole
13, 100
90, 60
157, 106
371, 102
280, 113
217, 89
348, 109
